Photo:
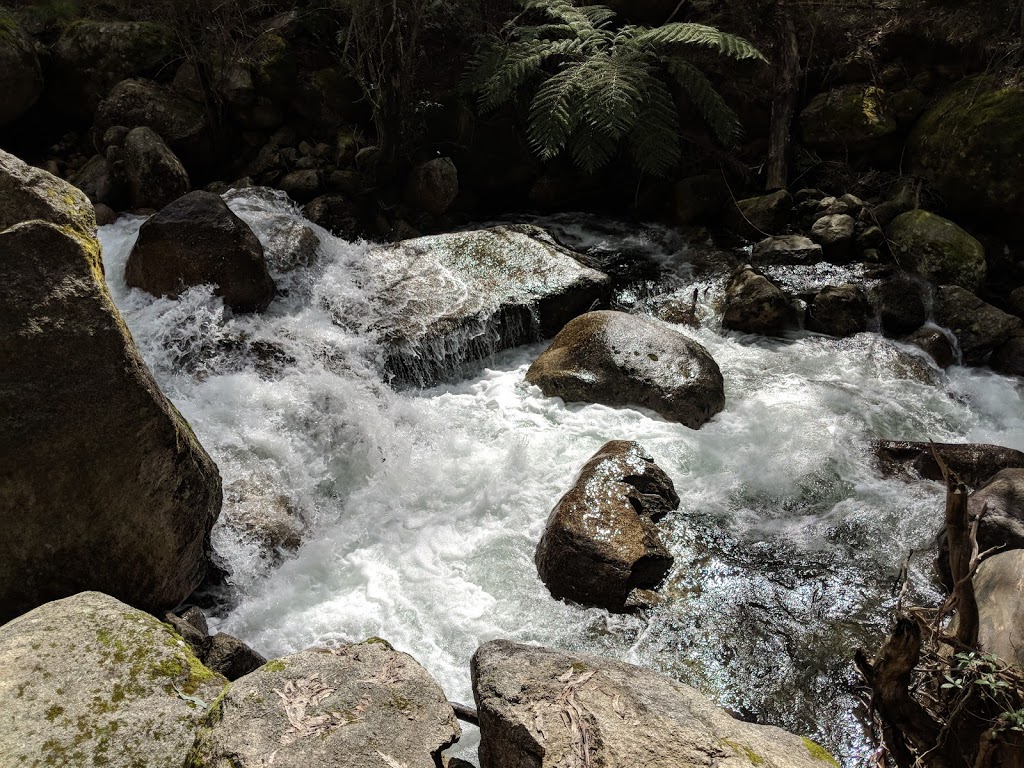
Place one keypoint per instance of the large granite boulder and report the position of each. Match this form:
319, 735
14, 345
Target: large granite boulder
600, 542
768, 214
445, 299
103, 485
936, 249
999, 592
197, 240
970, 148
21, 75
91, 57
975, 463
754, 304
181, 123
89, 680
155, 175
786, 249
840, 311
543, 708
350, 706
617, 359
834, 232
853, 117
979, 327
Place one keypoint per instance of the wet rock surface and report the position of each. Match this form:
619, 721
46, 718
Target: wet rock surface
542, 708
89, 680
600, 542
974, 463
979, 327
618, 359
840, 311
754, 304
197, 240
345, 707
448, 298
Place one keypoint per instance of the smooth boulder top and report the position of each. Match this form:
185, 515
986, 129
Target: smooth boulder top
351, 706
544, 708
110, 487
88, 680
999, 590
600, 542
937, 249
975, 463
617, 359
198, 240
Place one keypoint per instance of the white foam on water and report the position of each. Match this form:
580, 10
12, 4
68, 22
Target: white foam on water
425, 506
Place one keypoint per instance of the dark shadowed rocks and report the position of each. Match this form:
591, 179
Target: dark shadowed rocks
614, 359
840, 311
21, 74
754, 304
600, 542
936, 249
974, 463
979, 327
155, 175
433, 185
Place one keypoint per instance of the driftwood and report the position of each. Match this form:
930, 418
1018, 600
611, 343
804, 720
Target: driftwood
465, 713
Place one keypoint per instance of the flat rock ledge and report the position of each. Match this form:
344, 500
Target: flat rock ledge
542, 708
447, 299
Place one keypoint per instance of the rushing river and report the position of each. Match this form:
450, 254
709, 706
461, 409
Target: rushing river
425, 506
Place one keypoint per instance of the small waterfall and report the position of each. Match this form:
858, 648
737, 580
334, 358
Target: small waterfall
421, 507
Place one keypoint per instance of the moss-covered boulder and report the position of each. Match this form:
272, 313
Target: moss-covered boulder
103, 485
546, 708
21, 76
853, 117
350, 706
91, 57
88, 680
937, 249
970, 148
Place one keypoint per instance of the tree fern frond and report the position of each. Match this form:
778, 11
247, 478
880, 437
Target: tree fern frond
514, 64
722, 121
697, 34
598, 15
654, 141
611, 95
565, 11
592, 151
555, 112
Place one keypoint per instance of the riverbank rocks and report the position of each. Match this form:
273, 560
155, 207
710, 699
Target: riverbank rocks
970, 148
91, 57
600, 542
999, 592
155, 175
840, 311
617, 359
21, 75
108, 484
545, 708
853, 117
834, 232
197, 240
349, 706
433, 185
768, 214
446, 299
786, 249
936, 249
89, 680
901, 306
754, 304
974, 463
979, 327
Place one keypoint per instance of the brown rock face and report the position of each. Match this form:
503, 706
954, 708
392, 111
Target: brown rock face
103, 485
979, 327
197, 240
974, 463
754, 304
617, 359
600, 542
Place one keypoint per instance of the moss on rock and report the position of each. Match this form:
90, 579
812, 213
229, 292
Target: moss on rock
849, 118
937, 249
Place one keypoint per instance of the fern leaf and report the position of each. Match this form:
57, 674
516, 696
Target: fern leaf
722, 121
654, 141
513, 65
555, 112
611, 94
592, 151
696, 34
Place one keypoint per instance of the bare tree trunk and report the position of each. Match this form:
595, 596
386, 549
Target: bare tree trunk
784, 103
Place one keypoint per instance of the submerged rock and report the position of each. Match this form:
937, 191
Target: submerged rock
545, 708
979, 327
109, 486
600, 542
89, 680
197, 240
345, 707
937, 249
617, 359
446, 299
754, 304
974, 463
999, 592
21, 75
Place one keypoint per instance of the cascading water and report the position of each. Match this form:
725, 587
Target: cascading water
423, 507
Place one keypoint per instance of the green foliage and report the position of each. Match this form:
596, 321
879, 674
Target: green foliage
600, 84
983, 678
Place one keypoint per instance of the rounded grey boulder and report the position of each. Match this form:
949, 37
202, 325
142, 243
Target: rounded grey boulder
617, 359
197, 240
155, 174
